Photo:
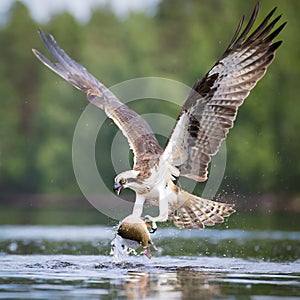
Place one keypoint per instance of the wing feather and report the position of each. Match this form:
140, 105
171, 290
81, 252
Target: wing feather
210, 110
139, 134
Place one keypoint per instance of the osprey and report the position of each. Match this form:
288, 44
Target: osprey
202, 124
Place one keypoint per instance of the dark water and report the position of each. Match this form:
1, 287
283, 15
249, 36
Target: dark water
70, 262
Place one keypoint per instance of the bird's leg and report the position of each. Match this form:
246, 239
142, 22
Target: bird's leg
163, 210
138, 205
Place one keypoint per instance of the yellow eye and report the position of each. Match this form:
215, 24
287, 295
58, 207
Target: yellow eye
123, 181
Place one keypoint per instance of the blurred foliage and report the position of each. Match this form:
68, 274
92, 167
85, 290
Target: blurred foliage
181, 41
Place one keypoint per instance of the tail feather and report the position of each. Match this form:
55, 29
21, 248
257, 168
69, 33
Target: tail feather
190, 211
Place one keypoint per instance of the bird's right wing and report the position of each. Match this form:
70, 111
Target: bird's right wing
211, 108
137, 131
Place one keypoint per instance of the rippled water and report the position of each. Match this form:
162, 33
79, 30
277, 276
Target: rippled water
69, 262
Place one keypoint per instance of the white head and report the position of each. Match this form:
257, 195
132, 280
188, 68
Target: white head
127, 179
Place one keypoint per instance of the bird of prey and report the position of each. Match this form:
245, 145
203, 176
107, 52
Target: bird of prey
202, 124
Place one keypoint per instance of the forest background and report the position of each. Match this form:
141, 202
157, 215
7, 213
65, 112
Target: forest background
179, 40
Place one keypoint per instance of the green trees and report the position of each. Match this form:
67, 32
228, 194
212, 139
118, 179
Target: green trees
19, 76
181, 41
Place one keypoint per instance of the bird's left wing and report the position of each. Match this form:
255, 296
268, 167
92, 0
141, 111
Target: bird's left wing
211, 108
139, 134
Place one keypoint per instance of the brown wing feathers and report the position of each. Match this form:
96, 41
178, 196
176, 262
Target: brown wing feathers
213, 103
139, 134
211, 107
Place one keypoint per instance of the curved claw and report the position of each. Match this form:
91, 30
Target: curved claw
148, 218
153, 224
153, 227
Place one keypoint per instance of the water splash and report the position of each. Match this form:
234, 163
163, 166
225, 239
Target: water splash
122, 249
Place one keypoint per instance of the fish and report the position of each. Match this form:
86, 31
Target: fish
135, 229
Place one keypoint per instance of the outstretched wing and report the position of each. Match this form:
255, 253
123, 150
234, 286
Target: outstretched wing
211, 108
139, 134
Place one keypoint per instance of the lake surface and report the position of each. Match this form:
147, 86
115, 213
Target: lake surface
73, 262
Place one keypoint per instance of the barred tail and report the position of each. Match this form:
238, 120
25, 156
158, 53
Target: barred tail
190, 211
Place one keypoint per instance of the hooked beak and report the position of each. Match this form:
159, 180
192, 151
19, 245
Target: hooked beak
118, 187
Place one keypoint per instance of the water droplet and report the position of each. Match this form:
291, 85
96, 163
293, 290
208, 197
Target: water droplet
13, 247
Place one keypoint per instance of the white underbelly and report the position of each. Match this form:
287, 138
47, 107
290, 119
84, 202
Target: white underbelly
158, 182
153, 194
160, 192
